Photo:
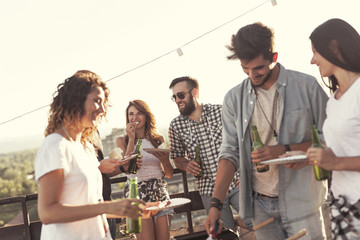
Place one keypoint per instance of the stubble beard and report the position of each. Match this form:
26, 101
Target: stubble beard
264, 81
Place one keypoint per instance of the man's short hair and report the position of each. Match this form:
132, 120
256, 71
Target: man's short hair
252, 41
191, 82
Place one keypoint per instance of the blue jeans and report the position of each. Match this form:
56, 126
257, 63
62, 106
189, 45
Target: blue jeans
227, 217
265, 208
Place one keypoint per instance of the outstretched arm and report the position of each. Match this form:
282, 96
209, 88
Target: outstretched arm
325, 158
52, 211
224, 177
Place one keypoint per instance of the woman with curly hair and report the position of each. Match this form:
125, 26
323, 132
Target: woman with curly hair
151, 184
70, 203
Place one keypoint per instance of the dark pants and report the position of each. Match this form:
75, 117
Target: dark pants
112, 226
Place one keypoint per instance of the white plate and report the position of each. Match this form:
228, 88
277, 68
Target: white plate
151, 150
175, 202
291, 159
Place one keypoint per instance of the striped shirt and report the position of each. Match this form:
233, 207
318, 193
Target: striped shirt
186, 134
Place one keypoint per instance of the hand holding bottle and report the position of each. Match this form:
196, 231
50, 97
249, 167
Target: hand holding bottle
320, 173
193, 168
267, 153
139, 162
124, 208
322, 157
133, 167
258, 151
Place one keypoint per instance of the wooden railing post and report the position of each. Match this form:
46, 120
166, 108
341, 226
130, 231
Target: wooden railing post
26, 217
188, 210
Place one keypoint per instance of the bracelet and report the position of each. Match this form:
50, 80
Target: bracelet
216, 203
122, 169
287, 148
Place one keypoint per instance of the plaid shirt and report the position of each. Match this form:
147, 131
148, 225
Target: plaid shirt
185, 134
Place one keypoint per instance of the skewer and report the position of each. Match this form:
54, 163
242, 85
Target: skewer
297, 235
258, 226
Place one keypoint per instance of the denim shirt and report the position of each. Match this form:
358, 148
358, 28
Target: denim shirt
302, 104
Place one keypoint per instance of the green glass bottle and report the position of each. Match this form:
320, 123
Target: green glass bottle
256, 144
133, 225
320, 173
198, 161
132, 165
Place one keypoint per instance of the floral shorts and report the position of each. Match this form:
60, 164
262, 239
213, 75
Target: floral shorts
152, 190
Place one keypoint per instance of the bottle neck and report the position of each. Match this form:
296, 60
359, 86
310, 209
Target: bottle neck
133, 190
133, 180
315, 139
138, 146
197, 152
255, 135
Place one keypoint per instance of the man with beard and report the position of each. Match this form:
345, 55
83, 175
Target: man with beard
199, 126
283, 104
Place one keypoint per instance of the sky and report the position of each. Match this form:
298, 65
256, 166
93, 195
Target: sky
43, 42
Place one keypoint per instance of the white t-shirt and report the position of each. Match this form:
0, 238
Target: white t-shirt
82, 185
342, 134
266, 182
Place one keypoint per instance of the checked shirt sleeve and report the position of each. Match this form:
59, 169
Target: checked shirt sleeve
176, 144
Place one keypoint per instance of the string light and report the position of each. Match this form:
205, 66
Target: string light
178, 50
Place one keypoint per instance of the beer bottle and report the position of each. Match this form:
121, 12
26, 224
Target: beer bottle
132, 165
320, 173
198, 161
256, 144
133, 225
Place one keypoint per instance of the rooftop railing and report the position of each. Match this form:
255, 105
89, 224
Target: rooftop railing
31, 230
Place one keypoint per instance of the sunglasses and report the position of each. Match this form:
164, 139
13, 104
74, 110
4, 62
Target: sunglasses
180, 95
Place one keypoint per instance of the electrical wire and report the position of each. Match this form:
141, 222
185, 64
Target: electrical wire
155, 59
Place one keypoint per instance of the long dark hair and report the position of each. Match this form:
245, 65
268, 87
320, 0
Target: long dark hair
150, 123
339, 43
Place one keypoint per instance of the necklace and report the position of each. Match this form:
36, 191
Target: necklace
273, 114
67, 134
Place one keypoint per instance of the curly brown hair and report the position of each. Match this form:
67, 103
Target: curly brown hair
68, 105
150, 124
